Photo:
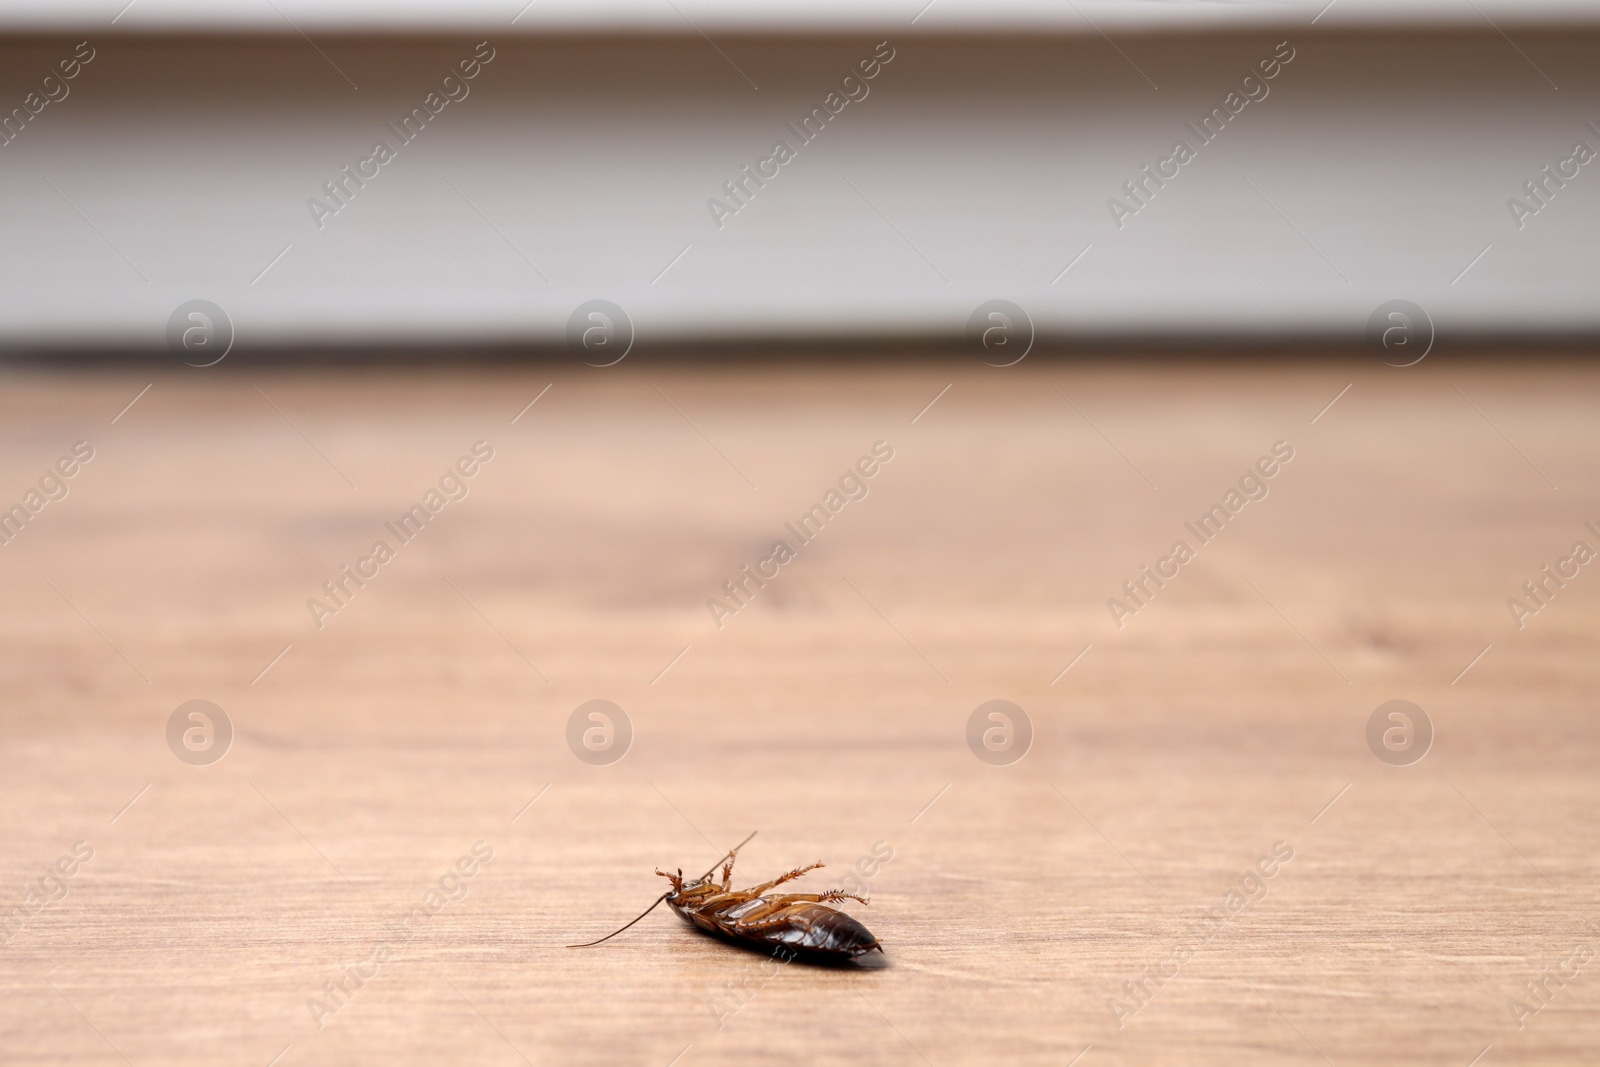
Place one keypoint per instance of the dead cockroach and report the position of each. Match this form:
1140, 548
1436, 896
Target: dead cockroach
793, 924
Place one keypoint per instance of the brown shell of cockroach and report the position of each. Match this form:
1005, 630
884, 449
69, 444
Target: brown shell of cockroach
786, 925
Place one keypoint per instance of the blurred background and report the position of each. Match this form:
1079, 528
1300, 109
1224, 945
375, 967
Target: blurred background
1114, 480
587, 158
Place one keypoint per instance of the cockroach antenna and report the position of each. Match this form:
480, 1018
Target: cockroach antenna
664, 896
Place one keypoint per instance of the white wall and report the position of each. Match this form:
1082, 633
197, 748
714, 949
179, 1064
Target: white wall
579, 167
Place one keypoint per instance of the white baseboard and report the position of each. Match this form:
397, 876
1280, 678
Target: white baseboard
1377, 167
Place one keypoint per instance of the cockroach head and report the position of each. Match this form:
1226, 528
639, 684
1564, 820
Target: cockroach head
677, 880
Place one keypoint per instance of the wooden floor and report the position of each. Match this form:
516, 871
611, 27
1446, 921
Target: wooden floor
1030, 911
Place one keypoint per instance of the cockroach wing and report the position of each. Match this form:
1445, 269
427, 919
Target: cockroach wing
817, 932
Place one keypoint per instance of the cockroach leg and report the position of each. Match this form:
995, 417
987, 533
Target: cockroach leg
727, 868
756, 891
815, 898
839, 894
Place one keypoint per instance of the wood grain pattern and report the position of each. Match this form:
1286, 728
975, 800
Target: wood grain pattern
1227, 715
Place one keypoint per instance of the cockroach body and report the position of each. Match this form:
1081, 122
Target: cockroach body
791, 925
800, 924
